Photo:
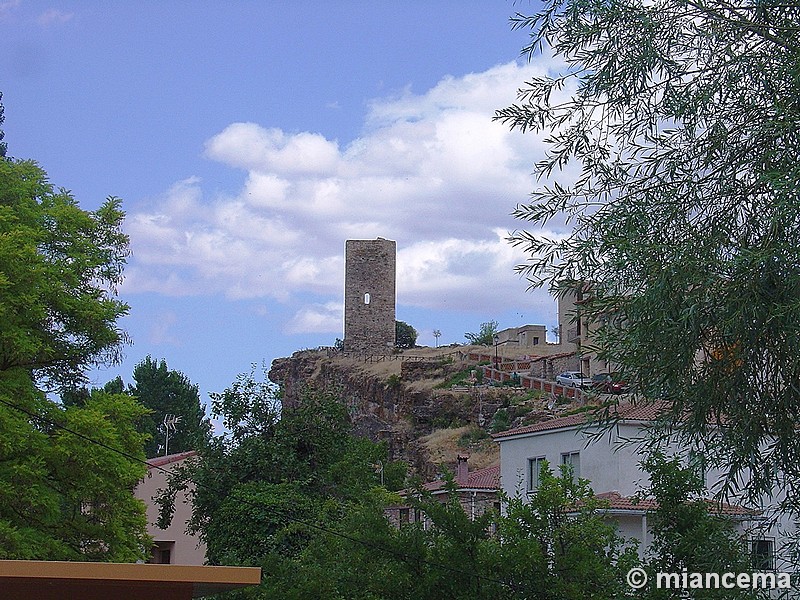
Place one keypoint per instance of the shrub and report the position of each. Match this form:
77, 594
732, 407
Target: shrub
501, 421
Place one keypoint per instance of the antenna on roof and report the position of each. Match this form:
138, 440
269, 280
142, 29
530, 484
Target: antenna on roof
170, 423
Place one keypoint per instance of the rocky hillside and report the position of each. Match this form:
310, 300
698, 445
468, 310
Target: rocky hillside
428, 405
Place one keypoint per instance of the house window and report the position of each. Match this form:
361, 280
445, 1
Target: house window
405, 515
535, 341
534, 472
763, 555
162, 553
573, 462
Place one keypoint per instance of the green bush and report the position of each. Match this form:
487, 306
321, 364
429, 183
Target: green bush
501, 421
459, 378
405, 335
393, 381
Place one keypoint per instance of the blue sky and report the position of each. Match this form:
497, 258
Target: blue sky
249, 140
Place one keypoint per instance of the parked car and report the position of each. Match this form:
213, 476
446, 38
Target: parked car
609, 383
573, 379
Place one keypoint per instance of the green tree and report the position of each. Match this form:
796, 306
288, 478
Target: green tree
405, 335
554, 547
484, 337
687, 534
500, 421
63, 497
59, 268
277, 475
570, 550
682, 121
167, 392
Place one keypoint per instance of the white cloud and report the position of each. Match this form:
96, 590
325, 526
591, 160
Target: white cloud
432, 171
250, 146
317, 318
54, 16
160, 331
7, 9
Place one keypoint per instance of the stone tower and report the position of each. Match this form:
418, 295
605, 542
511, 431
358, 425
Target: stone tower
369, 295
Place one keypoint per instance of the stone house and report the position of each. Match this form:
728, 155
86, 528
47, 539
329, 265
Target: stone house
526, 336
477, 492
575, 331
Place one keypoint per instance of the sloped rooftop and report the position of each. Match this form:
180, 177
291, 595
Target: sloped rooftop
482, 479
618, 502
162, 461
626, 412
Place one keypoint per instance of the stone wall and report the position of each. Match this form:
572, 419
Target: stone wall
547, 367
369, 295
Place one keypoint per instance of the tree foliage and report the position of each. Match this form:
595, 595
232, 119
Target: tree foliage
676, 127
67, 473
59, 268
168, 392
276, 475
485, 336
688, 534
405, 335
555, 547
61, 496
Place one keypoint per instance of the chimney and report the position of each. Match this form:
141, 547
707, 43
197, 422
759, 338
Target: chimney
462, 470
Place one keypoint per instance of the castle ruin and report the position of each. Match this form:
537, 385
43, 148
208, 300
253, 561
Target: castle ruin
369, 295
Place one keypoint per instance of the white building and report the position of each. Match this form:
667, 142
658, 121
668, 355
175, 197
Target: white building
613, 468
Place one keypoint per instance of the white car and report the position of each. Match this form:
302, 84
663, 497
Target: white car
573, 379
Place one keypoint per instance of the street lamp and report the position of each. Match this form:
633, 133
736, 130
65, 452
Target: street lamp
496, 344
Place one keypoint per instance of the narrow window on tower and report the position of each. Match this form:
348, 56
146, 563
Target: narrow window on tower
366, 298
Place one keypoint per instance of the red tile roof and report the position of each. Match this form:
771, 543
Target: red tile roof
482, 479
625, 412
161, 461
618, 502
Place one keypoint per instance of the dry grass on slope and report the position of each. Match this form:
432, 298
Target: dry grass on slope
444, 445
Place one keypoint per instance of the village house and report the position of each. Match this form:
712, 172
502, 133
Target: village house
477, 492
526, 336
575, 331
172, 545
611, 463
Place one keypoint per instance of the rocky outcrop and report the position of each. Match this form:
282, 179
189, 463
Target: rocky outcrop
416, 403
395, 400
